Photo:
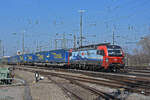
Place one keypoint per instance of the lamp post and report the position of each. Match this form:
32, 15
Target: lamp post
0, 48
23, 50
2, 52
86, 36
81, 13
23, 42
63, 40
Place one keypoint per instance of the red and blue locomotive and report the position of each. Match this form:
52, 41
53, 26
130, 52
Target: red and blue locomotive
94, 57
101, 57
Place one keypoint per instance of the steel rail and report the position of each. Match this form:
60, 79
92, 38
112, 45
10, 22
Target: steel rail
130, 86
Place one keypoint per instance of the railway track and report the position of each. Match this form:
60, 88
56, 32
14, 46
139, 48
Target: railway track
142, 69
75, 80
130, 86
99, 93
128, 82
145, 72
69, 93
138, 67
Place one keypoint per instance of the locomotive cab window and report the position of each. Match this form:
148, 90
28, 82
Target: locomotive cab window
100, 52
70, 53
114, 52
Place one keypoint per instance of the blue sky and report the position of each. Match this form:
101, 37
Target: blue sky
42, 19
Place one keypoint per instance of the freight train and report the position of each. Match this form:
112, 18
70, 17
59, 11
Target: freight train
91, 57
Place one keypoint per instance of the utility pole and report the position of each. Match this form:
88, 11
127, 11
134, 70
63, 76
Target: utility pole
64, 41
23, 42
50, 44
55, 43
81, 13
40, 48
113, 38
3, 51
0, 48
37, 46
74, 41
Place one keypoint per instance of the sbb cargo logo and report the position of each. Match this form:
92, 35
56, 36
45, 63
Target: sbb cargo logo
40, 56
30, 57
57, 55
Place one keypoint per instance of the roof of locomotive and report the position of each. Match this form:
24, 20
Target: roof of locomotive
113, 46
94, 46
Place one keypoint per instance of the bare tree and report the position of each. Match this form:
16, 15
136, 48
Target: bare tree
141, 55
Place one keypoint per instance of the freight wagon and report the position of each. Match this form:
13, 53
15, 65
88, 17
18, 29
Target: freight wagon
54, 57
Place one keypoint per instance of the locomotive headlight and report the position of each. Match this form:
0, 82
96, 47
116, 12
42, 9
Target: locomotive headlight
106, 59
